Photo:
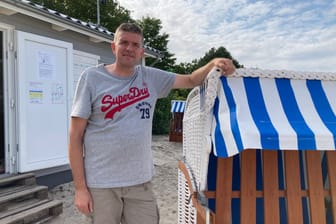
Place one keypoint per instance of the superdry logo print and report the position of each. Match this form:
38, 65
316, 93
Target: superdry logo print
111, 104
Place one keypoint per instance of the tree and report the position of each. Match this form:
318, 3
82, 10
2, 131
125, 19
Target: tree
153, 38
111, 13
215, 53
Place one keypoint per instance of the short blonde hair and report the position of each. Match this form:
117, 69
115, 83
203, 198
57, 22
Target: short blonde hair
128, 27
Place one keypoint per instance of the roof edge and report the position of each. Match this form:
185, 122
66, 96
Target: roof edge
96, 32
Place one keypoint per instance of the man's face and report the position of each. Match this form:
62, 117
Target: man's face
128, 49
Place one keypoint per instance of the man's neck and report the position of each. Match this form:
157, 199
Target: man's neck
119, 70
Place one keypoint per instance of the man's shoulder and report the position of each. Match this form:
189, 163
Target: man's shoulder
92, 70
144, 69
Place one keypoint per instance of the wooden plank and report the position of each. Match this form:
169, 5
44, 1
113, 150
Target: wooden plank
187, 177
271, 187
32, 215
331, 163
35, 190
315, 185
293, 187
12, 189
19, 179
260, 194
223, 191
248, 187
201, 214
22, 206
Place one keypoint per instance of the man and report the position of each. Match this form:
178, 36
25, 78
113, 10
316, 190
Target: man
110, 131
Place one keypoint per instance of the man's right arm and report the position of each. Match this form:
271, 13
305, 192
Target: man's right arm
83, 200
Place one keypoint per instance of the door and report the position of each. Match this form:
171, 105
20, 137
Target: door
7, 112
2, 114
45, 88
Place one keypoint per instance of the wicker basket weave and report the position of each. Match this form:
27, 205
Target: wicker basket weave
196, 143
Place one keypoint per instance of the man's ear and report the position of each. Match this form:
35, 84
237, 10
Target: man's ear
143, 52
113, 47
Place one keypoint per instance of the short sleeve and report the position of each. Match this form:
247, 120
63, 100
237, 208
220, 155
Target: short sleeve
162, 81
81, 106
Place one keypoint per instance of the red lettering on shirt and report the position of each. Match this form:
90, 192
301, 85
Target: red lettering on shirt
116, 104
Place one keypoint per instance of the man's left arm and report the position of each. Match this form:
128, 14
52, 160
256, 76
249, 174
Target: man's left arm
197, 77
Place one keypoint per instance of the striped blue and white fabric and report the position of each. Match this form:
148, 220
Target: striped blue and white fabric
177, 106
274, 113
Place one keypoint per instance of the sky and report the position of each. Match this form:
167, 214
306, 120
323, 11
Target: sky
298, 35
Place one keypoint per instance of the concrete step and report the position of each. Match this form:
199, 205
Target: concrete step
26, 193
22, 201
18, 179
37, 214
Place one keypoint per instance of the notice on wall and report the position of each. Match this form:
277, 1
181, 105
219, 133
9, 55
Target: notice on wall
46, 66
57, 93
35, 92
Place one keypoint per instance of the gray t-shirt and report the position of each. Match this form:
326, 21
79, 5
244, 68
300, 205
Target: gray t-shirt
117, 140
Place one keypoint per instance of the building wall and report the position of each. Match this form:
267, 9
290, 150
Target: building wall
80, 42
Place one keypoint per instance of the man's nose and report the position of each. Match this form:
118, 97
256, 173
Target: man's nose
129, 47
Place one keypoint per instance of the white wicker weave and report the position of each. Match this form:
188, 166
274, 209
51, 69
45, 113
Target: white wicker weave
243, 72
196, 138
186, 212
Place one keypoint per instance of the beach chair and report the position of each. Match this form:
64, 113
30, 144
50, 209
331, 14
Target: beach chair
259, 147
176, 127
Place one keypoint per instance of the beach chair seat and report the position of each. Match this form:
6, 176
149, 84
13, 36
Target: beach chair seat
259, 147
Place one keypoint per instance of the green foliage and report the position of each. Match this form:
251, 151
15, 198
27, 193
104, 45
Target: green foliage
153, 38
111, 13
184, 68
216, 53
161, 116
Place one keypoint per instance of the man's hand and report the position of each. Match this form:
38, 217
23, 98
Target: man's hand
225, 64
83, 201
197, 77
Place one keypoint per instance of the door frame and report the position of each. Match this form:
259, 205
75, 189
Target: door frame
9, 80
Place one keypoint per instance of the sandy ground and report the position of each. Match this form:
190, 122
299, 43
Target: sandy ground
166, 155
